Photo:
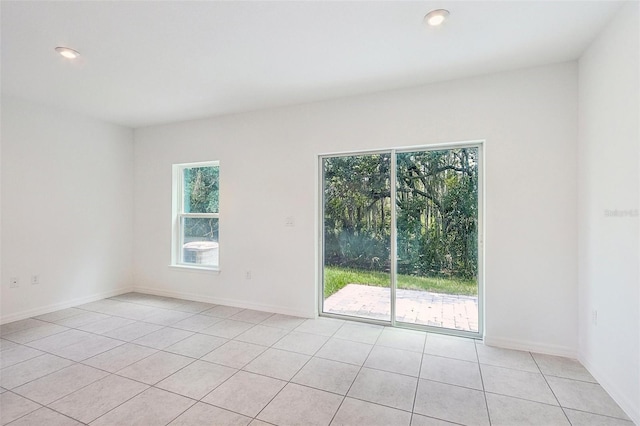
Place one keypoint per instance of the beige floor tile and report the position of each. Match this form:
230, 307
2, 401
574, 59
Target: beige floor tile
202, 414
82, 319
106, 325
163, 338
262, 335
322, 326
249, 315
419, 420
451, 403
197, 379
408, 340
197, 345
517, 383
363, 333
356, 412
324, 374
88, 347
90, 402
580, 418
285, 322
155, 368
60, 340
58, 315
54, 386
277, 364
585, 396
133, 331
196, 323
167, 317
222, 311
151, 407
345, 351
451, 347
245, 393
17, 354
562, 367
24, 324
394, 360
228, 329
303, 343
234, 354
45, 417
27, 335
193, 307
508, 358
507, 411
14, 406
6, 344
297, 405
451, 371
381, 387
26, 371
119, 357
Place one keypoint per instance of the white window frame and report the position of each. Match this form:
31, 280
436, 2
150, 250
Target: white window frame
177, 201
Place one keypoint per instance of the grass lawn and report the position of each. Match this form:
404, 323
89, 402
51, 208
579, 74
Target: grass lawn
335, 278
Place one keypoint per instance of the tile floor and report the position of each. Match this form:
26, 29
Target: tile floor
137, 359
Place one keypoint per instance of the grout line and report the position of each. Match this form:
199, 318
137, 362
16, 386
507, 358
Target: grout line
122, 403
287, 331
550, 388
484, 391
300, 369
415, 394
357, 374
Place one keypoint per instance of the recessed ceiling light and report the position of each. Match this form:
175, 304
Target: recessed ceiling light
67, 52
436, 17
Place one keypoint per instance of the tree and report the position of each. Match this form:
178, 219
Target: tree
436, 200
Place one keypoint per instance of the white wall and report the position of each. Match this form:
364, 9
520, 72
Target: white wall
609, 136
268, 165
67, 208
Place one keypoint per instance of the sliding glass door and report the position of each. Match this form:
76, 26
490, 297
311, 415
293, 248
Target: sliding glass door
413, 262
437, 238
357, 235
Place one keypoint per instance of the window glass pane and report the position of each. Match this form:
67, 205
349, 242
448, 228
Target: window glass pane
437, 238
357, 236
200, 241
200, 186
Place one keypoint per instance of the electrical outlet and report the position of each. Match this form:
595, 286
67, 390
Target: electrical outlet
289, 221
594, 317
247, 275
35, 279
14, 282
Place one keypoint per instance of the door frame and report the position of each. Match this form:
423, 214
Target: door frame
479, 144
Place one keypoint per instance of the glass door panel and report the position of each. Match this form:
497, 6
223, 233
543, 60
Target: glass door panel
437, 238
356, 207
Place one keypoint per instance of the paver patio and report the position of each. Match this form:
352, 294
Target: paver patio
412, 306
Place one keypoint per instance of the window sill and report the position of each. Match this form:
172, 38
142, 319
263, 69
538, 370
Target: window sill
200, 269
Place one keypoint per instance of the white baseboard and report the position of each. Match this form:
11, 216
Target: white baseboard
523, 345
62, 305
228, 302
632, 408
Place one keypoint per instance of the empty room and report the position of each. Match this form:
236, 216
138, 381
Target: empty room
411, 213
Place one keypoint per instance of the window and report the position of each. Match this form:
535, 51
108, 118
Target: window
196, 215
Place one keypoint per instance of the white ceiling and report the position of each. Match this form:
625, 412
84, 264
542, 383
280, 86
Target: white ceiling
146, 62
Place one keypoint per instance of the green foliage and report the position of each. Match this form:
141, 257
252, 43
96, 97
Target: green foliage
201, 188
357, 211
437, 212
436, 205
336, 278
